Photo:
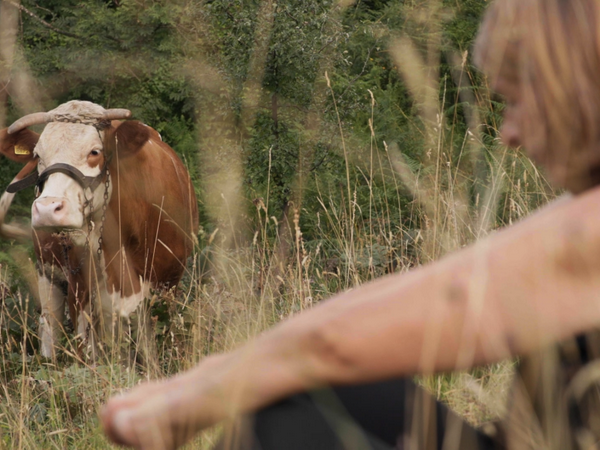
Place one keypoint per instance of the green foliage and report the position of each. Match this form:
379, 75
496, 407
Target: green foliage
464, 24
132, 54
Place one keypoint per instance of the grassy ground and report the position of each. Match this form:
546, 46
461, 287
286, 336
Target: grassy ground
55, 405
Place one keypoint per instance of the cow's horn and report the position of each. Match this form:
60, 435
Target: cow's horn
116, 114
28, 120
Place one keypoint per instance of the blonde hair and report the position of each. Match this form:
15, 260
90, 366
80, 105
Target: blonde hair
552, 47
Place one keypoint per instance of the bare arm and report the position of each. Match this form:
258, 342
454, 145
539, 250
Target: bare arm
521, 288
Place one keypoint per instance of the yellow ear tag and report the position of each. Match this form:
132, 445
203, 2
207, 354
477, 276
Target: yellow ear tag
21, 150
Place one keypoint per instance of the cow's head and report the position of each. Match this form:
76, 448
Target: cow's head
73, 153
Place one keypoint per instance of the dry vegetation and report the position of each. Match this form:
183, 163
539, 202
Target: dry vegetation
239, 285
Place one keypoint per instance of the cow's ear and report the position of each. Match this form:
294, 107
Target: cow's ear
18, 146
129, 137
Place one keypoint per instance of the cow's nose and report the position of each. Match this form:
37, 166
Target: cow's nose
49, 212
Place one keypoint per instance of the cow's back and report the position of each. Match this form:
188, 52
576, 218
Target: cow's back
152, 215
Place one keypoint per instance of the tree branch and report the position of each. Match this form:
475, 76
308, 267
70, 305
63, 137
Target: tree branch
44, 9
42, 21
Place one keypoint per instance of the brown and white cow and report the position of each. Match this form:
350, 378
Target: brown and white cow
115, 213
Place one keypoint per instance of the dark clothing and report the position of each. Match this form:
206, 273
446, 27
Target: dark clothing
380, 416
554, 404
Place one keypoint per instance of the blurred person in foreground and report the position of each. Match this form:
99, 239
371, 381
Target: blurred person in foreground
332, 377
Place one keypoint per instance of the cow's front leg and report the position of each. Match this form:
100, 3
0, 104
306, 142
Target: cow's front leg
83, 323
52, 299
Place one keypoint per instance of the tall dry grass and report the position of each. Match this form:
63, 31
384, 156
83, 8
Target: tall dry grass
243, 284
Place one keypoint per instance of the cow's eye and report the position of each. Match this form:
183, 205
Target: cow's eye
95, 152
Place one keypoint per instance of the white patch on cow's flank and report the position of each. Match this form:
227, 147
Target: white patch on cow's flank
124, 306
128, 305
115, 306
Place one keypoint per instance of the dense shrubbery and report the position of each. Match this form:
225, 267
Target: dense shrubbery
137, 54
